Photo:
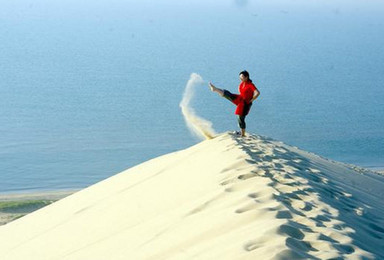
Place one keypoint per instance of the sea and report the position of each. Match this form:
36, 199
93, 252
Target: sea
91, 88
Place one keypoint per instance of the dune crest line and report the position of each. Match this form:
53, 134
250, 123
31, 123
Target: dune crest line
197, 125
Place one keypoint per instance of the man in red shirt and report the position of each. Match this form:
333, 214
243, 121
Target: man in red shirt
243, 102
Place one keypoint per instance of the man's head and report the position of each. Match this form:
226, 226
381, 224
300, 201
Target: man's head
244, 76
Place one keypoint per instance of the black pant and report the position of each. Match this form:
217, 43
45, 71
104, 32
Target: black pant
241, 118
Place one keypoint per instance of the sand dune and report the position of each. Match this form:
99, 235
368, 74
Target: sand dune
225, 198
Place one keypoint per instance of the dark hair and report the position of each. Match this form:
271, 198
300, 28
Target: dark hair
246, 74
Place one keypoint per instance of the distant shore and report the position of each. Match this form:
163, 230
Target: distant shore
17, 205
377, 169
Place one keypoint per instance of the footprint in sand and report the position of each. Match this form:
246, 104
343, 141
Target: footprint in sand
298, 161
257, 243
251, 183
236, 166
252, 246
313, 170
299, 245
284, 214
254, 195
255, 206
290, 231
228, 181
246, 176
233, 179
280, 150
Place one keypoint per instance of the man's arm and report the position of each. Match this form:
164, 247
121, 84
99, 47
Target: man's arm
256, 93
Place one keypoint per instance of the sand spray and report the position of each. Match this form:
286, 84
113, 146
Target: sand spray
198, 126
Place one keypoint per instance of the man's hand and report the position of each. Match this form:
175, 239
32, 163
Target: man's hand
256, 93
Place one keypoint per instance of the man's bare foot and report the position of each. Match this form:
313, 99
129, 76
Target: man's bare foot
213, 88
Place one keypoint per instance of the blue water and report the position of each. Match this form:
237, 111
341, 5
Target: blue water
89, 89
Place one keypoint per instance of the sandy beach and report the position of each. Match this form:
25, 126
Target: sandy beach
224, 198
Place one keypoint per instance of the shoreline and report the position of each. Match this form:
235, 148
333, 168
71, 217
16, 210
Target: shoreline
16, 205
31, 195
377, 169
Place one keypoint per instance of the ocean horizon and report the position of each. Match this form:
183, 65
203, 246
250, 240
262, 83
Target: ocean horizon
91, 89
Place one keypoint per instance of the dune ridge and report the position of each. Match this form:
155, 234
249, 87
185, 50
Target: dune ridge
224, 198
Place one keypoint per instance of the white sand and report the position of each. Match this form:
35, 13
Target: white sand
225, 198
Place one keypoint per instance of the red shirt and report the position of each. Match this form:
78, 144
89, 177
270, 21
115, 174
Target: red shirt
246, 90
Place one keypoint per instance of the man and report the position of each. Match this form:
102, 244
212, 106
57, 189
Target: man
243, 101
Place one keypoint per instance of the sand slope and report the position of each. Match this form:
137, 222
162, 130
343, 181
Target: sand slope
225, 198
